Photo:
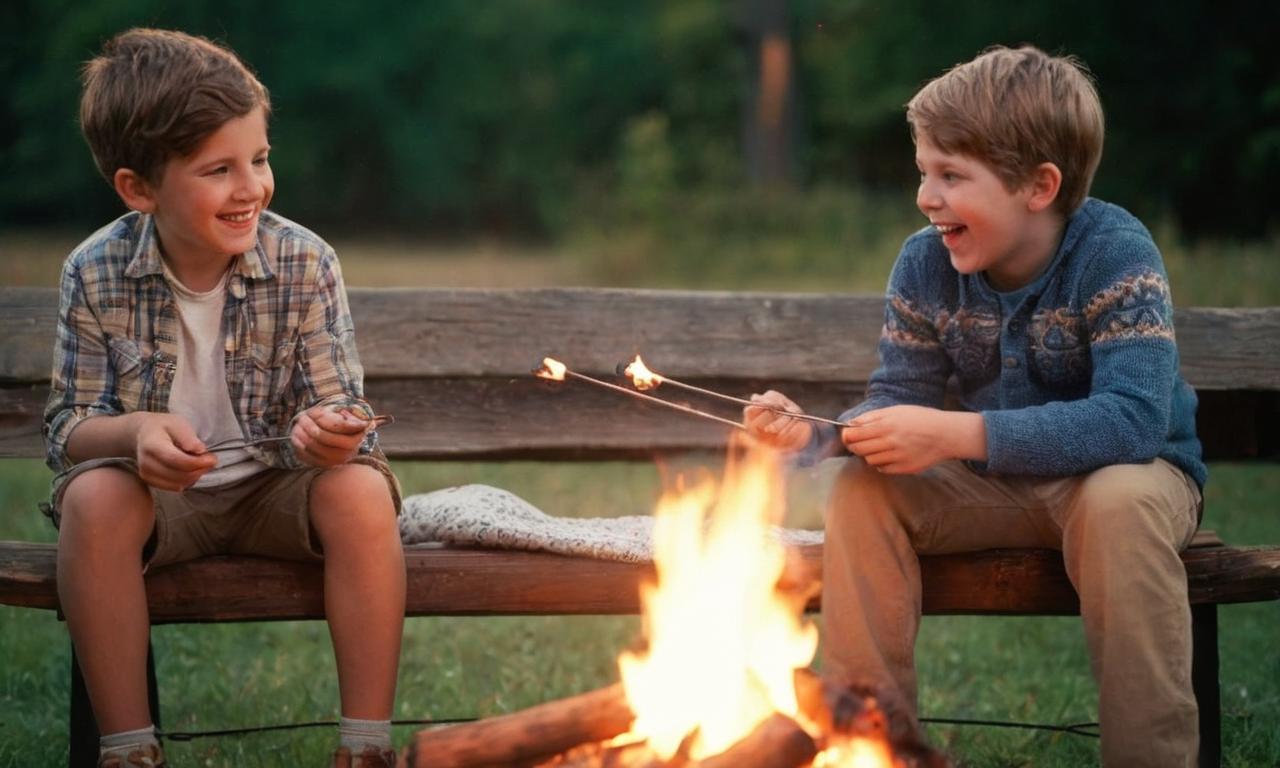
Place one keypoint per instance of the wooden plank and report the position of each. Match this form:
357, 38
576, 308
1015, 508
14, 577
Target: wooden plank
522, 417
453, 366
1229, 348
493, 419
702, 333
28, 320
449, 581
496, 333
424, 332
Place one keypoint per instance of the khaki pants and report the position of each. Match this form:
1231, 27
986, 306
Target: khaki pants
1120, 529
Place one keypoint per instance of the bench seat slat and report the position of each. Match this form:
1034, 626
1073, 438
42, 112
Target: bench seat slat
444, 581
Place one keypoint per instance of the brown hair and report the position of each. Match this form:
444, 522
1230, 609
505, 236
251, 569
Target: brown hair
1013, 109
155, 94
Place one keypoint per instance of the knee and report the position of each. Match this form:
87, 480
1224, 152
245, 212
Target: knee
106, 504
860, 496
352, 499
1122, 504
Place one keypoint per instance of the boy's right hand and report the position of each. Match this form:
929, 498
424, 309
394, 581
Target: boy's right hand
773, 428
170, 456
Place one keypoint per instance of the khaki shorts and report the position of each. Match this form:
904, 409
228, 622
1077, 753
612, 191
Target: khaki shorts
264, 514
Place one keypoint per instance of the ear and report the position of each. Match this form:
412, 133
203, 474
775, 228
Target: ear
1045, 183
134, 190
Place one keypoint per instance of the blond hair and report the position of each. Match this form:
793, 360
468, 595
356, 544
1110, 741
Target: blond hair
1013, 109
154, 94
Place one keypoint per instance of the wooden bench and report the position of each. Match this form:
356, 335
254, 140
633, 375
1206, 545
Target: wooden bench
453, 366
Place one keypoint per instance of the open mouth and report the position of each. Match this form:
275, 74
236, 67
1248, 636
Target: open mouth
237, 218
950, 232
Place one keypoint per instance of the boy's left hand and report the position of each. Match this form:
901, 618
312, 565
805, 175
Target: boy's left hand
324, 437
905, 439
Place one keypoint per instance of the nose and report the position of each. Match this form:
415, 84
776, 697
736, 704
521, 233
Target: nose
927, 197
249, 186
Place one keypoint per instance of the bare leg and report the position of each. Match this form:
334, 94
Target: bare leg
107, 517
364, 585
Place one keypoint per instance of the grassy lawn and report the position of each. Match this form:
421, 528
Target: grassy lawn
237, 675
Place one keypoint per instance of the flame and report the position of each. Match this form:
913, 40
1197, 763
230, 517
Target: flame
551, 369
855, 753
722, 645
641, 376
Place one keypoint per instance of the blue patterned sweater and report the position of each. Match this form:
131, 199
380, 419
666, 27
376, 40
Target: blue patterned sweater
1076, 371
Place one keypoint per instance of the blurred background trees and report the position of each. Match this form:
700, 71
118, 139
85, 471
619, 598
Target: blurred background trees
535, 118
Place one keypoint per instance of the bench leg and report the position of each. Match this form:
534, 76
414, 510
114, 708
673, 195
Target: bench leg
1204, 681
83, 737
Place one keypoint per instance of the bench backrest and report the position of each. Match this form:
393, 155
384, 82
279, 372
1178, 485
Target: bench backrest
453, 366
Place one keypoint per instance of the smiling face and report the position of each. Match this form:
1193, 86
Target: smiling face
985, 227
207, 204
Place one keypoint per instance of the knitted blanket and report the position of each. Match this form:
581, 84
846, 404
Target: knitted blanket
484, 516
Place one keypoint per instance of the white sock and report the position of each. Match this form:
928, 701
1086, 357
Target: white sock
124, 742
358, 735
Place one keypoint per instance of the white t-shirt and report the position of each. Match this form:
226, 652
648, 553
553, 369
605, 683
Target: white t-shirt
199, 393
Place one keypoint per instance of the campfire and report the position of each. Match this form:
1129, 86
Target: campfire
720, 677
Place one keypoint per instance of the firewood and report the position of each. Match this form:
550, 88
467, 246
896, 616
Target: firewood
599, 755
777, 742
526, 736
865, 711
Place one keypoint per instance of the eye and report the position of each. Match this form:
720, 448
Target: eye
260, 161
217, 171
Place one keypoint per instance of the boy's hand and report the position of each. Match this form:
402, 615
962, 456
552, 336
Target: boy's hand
170, 456
773, 428
905, 439
324, 437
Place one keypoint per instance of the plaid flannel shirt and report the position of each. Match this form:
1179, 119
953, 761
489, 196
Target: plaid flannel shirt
289, 339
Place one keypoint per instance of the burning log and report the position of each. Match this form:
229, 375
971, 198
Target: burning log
524, 737
636, 754
778, 742
842, 713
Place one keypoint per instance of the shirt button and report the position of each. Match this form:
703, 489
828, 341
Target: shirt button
1014, 326
1011, 362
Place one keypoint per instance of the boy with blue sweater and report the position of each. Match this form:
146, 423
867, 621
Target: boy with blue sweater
1052, 312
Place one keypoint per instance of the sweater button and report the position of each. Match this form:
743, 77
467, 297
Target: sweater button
1011, 362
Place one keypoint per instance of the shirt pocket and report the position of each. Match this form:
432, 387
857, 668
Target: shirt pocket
133, 366
272, 377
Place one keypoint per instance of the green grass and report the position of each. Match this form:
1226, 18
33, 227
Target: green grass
234, 675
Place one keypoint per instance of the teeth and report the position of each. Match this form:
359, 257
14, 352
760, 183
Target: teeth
947, 229
238, 216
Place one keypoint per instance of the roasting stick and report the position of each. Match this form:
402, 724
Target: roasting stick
235, 444
643, 378
554, 370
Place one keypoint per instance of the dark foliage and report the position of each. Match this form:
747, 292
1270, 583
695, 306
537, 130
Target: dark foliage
496, 116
